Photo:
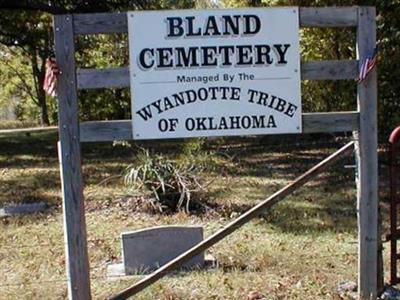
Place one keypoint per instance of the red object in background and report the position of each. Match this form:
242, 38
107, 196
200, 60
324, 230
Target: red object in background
395, 136
394, 203
50, 78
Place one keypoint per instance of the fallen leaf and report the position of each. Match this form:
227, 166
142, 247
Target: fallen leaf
254, 295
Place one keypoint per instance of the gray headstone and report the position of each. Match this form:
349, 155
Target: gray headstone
147, 249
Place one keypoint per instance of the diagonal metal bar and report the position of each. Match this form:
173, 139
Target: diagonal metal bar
234, 225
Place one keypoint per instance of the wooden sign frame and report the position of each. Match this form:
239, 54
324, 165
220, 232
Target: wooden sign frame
362, 122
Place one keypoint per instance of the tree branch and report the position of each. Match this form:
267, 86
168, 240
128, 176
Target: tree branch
27, 88
82, 6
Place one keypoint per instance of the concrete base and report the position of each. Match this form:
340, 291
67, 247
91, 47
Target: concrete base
117, 271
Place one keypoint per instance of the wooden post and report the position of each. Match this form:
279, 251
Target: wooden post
367, 162
77, 262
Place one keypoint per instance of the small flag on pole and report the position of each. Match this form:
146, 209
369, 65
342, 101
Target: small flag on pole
50, 78
368, 64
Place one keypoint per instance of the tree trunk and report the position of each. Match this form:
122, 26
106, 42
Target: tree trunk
39, 73
44, 115
255, 3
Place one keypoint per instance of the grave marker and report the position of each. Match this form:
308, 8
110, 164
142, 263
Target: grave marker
147, 249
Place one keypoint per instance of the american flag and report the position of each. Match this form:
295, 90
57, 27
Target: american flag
50, 78
368, 64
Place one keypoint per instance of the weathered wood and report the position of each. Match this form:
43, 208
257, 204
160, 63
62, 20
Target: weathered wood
105, 131
329, 70
367, 162
328, 16
309, 17
77, 262
236, 224
100, 23
315, 70
103, 78
330, 122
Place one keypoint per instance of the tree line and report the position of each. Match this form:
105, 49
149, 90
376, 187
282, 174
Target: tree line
26, 40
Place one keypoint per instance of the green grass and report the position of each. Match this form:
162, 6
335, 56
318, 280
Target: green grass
301, 249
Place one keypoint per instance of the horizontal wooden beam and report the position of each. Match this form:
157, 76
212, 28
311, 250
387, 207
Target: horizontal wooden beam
103, 78
309, 17
330, 122
100, 23
329, 70
328, 16
106, 131
315, 70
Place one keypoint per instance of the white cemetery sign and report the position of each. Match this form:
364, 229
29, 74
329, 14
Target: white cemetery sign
214, 72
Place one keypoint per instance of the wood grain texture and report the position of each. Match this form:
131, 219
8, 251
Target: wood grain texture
309, 17
330, 122
77, 262
315, 70
103, 78
367, 162
328, 16
106, 131
100, 23
236, 224
329, 70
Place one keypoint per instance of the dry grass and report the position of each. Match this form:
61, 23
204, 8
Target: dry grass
13, 124
301, 249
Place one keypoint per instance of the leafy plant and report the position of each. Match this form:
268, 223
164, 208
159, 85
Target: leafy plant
173, 185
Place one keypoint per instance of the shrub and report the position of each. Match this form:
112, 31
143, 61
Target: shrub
172, 185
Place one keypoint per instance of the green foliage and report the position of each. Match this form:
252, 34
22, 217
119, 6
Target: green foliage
26, 32
241, 3
27, 36
328, 44
172, 185
102, 51
13, 88
18, 92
